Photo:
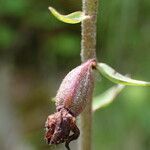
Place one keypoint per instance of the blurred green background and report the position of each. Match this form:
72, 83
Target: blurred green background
36, 51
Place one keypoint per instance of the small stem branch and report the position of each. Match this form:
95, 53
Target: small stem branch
88, 50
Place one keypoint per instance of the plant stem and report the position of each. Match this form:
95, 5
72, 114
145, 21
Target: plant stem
88, 50
88, 27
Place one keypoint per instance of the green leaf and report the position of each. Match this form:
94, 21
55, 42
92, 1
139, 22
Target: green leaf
107, 97
73, 18
116, 77
53, 99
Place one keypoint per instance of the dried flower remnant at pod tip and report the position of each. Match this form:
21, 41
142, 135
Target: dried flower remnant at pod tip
74, 93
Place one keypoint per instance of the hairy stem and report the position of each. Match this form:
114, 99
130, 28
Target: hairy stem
88, 50
88, 26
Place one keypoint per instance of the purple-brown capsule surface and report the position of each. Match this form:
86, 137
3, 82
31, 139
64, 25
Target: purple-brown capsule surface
74, 93
76, 88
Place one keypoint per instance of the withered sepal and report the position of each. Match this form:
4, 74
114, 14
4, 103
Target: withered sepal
59, 126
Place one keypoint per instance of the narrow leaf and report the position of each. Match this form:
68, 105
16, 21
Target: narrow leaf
53, 99
107, 97
73, 18
116, 77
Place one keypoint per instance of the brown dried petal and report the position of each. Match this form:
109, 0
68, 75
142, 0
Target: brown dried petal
59, 126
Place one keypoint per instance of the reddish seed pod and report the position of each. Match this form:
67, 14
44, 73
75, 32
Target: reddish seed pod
76, 88
74, 93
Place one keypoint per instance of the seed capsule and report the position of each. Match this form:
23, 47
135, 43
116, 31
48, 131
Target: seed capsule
74, 93
76, 88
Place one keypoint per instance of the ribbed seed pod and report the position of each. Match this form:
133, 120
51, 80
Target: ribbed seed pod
76, 88
74, 93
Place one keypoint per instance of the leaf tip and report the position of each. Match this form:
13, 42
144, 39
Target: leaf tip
51, 8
